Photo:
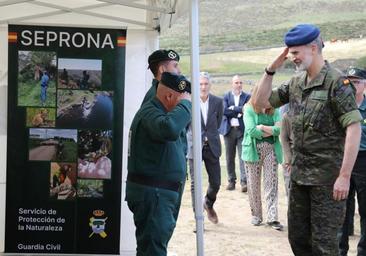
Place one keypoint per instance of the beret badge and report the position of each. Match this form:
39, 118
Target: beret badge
352, 72
182, 85
172, 55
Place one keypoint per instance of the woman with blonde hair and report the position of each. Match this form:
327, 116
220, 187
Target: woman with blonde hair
262, 151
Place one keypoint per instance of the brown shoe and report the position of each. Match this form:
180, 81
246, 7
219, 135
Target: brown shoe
211, 214
230, 186
244, 188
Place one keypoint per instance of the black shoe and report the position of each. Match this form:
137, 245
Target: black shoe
230, 186
211, 214
244, 188
275, 225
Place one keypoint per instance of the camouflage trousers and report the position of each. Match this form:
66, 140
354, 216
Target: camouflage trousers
314, 219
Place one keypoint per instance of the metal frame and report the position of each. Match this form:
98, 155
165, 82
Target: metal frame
84, 11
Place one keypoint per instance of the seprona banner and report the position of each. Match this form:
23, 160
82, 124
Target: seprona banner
64, 153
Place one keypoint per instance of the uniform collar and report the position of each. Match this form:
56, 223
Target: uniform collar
318, 80
155, 82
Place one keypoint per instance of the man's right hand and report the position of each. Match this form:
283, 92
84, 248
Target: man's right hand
278, 62
185, 96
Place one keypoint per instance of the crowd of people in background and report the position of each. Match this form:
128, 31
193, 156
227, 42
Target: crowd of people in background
316, 136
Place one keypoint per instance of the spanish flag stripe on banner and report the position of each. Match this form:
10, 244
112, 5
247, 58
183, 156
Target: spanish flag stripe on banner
12, 37
121, 41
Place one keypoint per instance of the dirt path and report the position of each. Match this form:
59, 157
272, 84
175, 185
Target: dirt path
234, 235
42, 153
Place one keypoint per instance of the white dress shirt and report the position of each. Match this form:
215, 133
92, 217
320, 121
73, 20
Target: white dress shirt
235, 121
204, 109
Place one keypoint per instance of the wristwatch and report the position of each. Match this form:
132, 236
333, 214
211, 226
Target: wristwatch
269, 72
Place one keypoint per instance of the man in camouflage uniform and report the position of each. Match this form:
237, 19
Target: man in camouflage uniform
326, 128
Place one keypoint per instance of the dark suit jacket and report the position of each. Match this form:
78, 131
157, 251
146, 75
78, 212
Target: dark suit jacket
228, 113
211, 129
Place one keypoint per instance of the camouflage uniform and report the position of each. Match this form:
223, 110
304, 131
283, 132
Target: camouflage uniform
319, 113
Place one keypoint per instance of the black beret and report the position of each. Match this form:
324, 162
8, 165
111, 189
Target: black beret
301, 34
356, 73
176, 82
161, 55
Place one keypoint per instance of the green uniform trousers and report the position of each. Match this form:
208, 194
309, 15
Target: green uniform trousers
314, 219
155, 212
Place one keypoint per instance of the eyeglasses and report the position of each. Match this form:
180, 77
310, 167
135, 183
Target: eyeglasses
238, 82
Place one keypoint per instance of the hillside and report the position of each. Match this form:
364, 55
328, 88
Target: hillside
238, 25
251, 63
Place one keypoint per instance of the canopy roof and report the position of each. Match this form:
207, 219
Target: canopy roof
131, 14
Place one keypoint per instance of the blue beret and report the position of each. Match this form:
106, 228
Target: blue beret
356, 73
161, 55
301, 34
176, 82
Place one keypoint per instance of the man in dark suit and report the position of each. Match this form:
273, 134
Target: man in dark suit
211, 117
233, 129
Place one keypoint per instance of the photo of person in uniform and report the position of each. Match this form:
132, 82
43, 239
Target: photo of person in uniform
85, 74
36, 78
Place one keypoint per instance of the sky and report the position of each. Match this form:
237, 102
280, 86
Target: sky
80, 64
51, 133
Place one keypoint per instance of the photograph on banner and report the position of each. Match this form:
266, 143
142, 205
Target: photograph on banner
84, 109
63, 181
79, 74
94, 154
90, 188
52, 145
37, 73
41, 117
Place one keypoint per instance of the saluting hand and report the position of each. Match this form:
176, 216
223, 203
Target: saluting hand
341, 188
278, 62
185, 96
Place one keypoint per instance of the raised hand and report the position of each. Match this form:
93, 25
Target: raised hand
278, 62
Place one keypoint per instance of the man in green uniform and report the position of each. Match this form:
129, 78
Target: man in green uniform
157, 164
161, 61
358, 177
326, 129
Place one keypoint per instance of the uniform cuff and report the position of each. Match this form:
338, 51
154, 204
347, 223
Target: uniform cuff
274, 99
350, 117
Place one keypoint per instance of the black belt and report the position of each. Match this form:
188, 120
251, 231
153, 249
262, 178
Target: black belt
152, 182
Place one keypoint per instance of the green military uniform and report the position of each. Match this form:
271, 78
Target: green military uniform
151, 92
319, 113
156, 157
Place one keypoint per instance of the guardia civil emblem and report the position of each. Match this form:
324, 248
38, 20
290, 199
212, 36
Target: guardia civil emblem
352, 72
182, 85
97, 224
172, 55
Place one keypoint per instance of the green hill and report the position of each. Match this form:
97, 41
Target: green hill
238, 25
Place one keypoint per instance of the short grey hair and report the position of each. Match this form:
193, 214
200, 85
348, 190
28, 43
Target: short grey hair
206, 75
319, 43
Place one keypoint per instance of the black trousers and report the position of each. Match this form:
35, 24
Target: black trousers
233, 142
358, 186
212, 164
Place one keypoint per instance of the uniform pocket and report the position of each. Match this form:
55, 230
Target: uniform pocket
314, 121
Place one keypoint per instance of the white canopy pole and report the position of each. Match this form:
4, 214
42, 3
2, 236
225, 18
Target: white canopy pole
196, 125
